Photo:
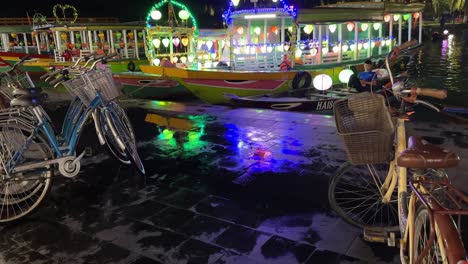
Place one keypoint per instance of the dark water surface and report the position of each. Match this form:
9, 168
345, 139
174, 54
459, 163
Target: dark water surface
443, 64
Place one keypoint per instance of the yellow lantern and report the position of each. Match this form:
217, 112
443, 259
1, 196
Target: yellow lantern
63, 36
101, 35
184, 41
13, 35
130, 35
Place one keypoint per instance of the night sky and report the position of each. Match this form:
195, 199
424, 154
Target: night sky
208, 12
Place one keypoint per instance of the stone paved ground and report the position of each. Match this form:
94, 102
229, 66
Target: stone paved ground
223, 185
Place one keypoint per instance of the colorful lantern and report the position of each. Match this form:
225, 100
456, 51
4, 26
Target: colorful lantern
176, 42
165, 42
298, 53
101, 35
332, 28
324, 50
156, 43
140, 34
350, 26
376, 26
240, 30
184, 14
209, 44
235, 2
308, 29
130, 35
156, 14
183, 59
406, 16
386, 18
364, 26
185, 41
119, 35
416, 15
156, 62
77, 35
63, 36
274, 29
257, 30
313, 51
344, 48
335, 49
13, 35
396, 17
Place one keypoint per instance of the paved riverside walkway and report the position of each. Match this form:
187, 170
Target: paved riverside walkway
229, 186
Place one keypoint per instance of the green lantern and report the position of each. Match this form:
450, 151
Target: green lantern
78, 35
140, 34
406, 16
119, 35
78, 45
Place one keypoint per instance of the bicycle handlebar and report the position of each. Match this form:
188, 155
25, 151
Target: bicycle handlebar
435, 93
58, 80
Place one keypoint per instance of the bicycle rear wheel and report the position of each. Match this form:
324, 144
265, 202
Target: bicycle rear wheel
22, 192
122, 131
422, 228
354, 194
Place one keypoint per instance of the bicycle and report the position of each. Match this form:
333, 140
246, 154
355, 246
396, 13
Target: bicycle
370, 191
30, 149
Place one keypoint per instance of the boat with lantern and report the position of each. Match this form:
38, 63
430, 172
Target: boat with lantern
323, 40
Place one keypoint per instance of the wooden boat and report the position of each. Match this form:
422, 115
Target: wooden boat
290, 101
324, 40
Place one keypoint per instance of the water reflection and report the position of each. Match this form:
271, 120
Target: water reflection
442, 66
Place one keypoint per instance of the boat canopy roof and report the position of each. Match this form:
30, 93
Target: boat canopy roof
354, 11
113, 26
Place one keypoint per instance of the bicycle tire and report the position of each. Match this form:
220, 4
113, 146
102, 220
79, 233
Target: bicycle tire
373, 213
111, 143
422, 228
20, 193
122, 130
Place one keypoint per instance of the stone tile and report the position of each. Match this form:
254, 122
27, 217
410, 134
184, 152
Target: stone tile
281, 250
171, 218
241, 240
204, 228
373, 252
330, 257
110, 253
17, 254
195, 252
183, 198
141, 210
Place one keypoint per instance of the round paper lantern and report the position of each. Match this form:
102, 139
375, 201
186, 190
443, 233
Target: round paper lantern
184, 14
416, 15
332, 28
140, 34
78, 45
63, 36
269, 49
101, 35
119, 35
183, 59
156, 14
156, 43
235, 2
286, 47
350, 26
376, 26
13, 35
322, 82
313, 51
308, 29
386, 18
365, 45
240, 30
344, 75
165, 42
185, 41
190, 58
130, 35
324, 50
84, 45
335, 49
396, 17
406, 16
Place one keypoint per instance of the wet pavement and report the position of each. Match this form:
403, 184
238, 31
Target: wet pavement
223, 185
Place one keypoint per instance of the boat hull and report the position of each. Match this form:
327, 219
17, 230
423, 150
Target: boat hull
149, 86
210, 86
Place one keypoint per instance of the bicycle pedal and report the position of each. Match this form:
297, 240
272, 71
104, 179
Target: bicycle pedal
380, 235
88, 151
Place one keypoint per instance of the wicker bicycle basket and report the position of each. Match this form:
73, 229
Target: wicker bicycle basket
364, 123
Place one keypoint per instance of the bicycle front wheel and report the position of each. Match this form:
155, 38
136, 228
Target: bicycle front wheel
22, 192
354, 194
122, 131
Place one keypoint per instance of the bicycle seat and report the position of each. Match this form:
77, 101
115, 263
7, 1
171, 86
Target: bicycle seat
28, 100
422, 154
26, 91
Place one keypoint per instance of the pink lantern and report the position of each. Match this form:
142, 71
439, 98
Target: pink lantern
176, 42
350, 26
416, 15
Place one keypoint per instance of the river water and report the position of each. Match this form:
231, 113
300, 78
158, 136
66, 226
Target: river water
443, 64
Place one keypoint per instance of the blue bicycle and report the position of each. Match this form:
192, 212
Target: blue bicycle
30, 148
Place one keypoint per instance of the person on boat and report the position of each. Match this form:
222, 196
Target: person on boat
285, 64
363, 81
